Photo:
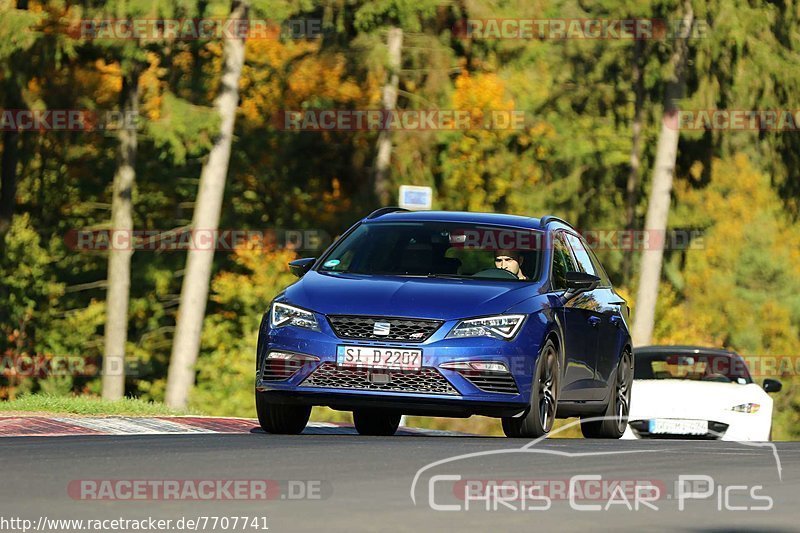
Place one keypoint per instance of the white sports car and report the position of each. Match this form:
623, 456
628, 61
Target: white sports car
686, 392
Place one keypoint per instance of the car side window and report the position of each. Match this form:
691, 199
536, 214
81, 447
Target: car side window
562, 263
605, 281
581, 255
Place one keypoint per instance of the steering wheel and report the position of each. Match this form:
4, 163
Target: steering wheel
495, 273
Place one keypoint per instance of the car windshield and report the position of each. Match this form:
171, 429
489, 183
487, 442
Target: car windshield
694, 367
438, 249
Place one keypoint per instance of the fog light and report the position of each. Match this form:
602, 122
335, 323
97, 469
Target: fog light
480, 366
288, 356
490, 367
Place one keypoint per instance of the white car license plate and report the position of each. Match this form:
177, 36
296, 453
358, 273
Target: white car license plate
678, 427
382, 358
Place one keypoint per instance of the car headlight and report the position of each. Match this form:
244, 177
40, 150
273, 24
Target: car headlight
503, 327
746, 408
289, 315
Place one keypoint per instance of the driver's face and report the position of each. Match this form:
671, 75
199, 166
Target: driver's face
506, 262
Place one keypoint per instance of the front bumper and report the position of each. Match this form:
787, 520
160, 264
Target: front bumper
403, 403
726, 426
435, 391
639, 429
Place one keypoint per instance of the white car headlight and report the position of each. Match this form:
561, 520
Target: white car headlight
289, 315
503, 327
746, 408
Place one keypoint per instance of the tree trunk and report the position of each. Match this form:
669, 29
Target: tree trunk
384, 152
119, 258
659, 202
632, 187
8, 179
10, 158
208, 206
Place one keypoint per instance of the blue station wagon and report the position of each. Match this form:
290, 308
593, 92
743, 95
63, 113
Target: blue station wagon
449, 314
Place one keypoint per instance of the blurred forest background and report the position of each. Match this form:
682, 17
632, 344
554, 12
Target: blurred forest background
585, 102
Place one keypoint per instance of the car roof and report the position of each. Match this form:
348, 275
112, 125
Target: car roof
683, 350
495, 219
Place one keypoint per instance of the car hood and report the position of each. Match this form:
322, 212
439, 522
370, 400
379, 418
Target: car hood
443, 299
651, 398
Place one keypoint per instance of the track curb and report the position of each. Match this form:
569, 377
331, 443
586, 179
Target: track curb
62, 426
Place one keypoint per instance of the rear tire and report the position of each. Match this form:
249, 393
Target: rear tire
615, 419
544, 398
376, 422
281, 419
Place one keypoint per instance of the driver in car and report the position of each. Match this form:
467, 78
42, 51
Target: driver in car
511, 261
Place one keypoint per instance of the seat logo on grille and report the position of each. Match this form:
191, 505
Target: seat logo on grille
381, 328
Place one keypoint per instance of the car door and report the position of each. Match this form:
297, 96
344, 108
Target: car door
580, 334
607, 307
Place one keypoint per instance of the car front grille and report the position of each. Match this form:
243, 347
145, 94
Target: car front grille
400, 329
491, 381
426, 381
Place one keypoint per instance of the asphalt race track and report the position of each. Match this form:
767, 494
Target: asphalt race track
364, 483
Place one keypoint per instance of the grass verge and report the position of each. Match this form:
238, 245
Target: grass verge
85, 405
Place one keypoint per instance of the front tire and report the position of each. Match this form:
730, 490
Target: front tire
544, 398
376, 422
281, 419
615, 420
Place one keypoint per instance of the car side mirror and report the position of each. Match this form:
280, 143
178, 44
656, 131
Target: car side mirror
299, 267
578, 282
772, 385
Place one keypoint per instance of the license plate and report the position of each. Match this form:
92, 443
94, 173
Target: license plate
678, 427
383, 358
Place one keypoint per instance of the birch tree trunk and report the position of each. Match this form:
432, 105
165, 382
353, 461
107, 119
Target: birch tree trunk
384, 153
659, 202
119, 257
194, 292
632, 186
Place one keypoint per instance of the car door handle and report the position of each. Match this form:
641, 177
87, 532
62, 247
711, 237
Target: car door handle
615, 320
594, 320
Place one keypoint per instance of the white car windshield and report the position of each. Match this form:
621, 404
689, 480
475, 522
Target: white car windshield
694, 367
